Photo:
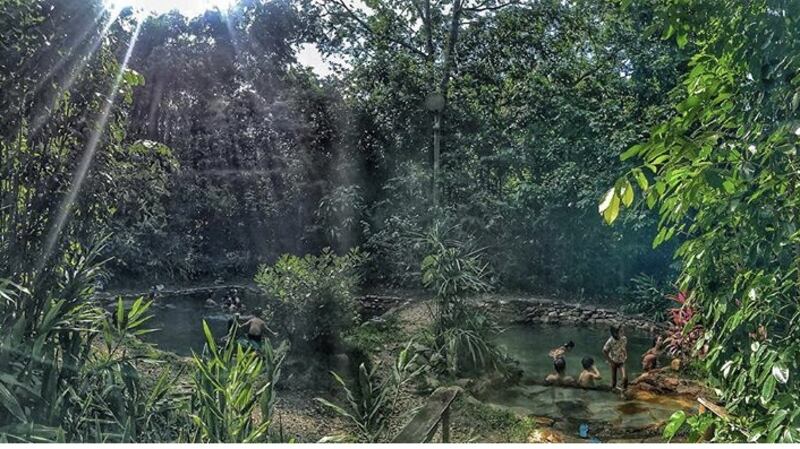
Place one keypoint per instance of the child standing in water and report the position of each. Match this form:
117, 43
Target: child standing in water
589, 373
616, 353
560, 351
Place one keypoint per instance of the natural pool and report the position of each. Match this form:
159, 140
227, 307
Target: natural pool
178, 319
605, 413
178, 322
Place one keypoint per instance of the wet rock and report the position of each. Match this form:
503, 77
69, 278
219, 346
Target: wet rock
543, 421
546, 435
664, 381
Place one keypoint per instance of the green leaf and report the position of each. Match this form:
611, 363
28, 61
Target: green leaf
768, 390
630, 152
674, 424
682, 40
609, 208
11, 404
780, 374
641, 179
627, 194
777, 419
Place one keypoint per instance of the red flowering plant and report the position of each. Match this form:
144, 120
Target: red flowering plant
680, 341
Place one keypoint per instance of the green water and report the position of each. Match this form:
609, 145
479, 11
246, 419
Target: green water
178, 320
571, 407
530, 344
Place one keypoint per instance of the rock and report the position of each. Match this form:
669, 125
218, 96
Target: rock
341, 362
552, 314
545, 436
543, 421
463, 383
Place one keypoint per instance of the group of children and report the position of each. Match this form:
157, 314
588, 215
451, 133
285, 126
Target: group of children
615, 351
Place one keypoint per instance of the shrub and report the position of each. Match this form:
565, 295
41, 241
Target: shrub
226, 393
647, 296
370, 401
313, 296
462, 337
58, 382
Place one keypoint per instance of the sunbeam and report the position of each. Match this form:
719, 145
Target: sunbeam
77, 66
88, 156
74, 43
189, 8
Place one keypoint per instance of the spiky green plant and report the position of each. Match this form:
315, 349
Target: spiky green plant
65, 373
228, 390
371, 401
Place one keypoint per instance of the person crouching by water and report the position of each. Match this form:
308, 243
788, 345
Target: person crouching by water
589, 373
650, 358
559, 377
616, 353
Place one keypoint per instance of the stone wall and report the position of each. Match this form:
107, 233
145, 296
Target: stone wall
544, 311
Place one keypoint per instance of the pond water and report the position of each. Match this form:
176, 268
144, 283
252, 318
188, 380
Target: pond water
178, 320
571, 407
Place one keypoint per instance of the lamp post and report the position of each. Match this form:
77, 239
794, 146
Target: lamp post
435, 103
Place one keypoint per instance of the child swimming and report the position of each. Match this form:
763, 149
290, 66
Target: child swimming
589, 373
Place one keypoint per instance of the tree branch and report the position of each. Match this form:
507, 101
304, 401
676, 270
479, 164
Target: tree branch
352, 14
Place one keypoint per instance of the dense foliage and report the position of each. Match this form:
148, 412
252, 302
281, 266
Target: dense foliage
313, 297
722, 173
68, 374
540, 98
141, 149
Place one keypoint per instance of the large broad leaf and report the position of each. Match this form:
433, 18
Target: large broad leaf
627, 194
674, 424
609, 208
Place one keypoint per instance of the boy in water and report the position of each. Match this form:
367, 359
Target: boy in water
560, 351
589, 373
559, 377
650, 358
558, 354
256, 327
616, 353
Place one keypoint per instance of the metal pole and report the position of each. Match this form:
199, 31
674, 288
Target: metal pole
436, 143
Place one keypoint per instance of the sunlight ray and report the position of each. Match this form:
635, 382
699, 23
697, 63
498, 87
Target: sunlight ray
77, 67
74, 44
88, 155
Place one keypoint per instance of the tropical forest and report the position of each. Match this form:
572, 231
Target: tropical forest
399, 221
